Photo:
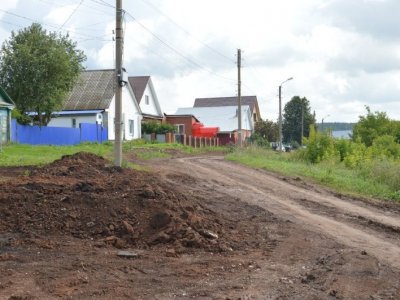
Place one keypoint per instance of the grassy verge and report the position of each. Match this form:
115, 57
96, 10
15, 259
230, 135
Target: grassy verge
23, 155
334, 176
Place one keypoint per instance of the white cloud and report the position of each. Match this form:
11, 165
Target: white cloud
342, 54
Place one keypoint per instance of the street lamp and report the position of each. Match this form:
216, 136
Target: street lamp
280, 113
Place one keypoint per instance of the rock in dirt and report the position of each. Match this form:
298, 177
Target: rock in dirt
208, 234
128, 227
160, 220
127, 254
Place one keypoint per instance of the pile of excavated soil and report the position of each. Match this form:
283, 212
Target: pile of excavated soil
81, 195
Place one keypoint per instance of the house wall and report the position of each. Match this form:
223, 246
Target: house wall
150, 108
185, 120
129, 112
5, 124
66, 121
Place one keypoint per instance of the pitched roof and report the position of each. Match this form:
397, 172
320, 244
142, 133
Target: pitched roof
94, 89
223, 117
138, 84
5, 100
228, 101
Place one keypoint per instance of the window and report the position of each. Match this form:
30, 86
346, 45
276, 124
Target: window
131, 127
146, 100
74, 123
180, 128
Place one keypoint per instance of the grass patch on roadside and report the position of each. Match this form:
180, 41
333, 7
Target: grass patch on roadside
24, 155
333, 175
36, 155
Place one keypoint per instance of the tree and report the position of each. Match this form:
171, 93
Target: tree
267, 130
374, 125
38, 68
292, 115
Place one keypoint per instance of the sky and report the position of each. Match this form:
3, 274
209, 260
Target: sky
343, 55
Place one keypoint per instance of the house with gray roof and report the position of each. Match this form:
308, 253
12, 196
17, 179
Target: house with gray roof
145, 94
92, 100
6, 106
251, 101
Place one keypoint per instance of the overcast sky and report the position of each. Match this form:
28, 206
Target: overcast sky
343, 54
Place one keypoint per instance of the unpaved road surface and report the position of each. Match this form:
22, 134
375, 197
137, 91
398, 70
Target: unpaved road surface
201, 227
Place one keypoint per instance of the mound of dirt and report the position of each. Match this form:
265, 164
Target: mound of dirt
83, 196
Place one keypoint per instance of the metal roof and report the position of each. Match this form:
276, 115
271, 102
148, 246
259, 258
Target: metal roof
138, 84
228, 101
224, 117
5, 100
94, 89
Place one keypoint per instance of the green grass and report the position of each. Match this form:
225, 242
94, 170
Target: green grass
335, 176
23, 155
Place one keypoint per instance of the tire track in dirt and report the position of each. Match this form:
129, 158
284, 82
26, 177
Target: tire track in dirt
282, 199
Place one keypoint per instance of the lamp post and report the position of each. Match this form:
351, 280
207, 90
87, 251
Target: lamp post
280, 113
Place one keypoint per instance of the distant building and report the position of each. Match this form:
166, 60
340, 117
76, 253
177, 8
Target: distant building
225, 118
250, 101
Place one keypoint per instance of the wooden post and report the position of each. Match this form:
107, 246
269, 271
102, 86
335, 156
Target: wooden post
184, 139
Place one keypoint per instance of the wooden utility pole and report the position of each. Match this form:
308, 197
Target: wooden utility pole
119, 84
239, 63
302, 121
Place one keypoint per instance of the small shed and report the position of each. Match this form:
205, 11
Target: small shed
6, 106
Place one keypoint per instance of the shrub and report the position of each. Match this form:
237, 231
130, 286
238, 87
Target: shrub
158, 128
319, 146
258, 140
385, 147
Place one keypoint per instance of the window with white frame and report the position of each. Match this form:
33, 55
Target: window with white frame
73, 123
180, 128
146, 100
131, 127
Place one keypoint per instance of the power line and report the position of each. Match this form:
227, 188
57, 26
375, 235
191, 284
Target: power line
101, 38
101, 2
71, 14
187, 32
176, 51
49, 2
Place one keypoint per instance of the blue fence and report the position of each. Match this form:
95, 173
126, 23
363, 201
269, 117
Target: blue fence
35, 135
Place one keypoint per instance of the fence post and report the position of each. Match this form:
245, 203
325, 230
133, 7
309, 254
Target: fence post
184, 139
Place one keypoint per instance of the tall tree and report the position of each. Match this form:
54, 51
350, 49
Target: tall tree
292, 119
38, 68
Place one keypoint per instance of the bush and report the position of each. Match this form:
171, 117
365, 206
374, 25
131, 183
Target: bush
385, 147
258, 140
319, 146
21, 118
157, 128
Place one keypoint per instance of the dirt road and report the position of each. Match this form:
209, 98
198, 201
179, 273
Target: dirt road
201, 228
375, 229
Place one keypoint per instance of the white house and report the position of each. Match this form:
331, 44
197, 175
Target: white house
146, 96
92, 100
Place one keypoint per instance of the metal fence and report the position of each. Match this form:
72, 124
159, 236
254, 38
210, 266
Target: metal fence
60, 136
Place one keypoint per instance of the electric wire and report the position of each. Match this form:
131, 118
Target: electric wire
101, 38
187, 32
71, 14
194, 63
